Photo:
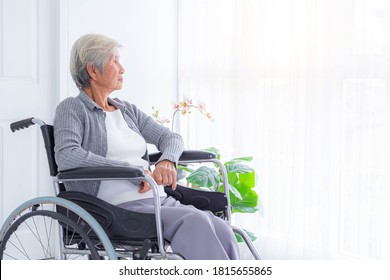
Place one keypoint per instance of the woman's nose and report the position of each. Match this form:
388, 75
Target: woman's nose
122, 70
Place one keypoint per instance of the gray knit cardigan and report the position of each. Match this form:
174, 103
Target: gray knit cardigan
81, 138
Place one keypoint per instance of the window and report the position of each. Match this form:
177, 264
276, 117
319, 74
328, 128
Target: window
303, 86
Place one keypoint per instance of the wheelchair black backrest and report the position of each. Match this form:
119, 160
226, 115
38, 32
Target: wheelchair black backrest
48, 139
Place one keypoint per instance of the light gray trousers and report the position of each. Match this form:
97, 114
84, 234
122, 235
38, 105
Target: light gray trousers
192, 233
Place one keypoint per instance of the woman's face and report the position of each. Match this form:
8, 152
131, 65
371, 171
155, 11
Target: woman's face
112, 77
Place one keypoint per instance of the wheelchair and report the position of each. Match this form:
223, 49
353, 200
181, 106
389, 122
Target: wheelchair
74, 225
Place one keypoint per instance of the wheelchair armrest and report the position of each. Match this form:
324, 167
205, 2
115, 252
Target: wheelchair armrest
188, 155
203, 200
101, 172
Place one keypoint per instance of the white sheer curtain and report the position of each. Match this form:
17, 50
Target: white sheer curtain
303, 86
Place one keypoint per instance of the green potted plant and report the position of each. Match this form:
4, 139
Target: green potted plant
241, 180
241, 176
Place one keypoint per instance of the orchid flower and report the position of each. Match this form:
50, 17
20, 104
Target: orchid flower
184, 107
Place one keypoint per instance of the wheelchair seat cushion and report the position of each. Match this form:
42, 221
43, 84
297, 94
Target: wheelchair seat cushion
119, 224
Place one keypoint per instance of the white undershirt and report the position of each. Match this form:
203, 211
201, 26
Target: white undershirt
123, 144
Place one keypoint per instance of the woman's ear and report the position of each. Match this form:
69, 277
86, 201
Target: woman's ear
92, 71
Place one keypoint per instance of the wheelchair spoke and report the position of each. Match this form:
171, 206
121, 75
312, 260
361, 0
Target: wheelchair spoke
38, 238
44, 249
9, 256
24, 252
75, 257
67, 230
48, 233
73, 236
27, 235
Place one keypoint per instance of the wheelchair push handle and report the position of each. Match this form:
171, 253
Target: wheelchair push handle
22, 124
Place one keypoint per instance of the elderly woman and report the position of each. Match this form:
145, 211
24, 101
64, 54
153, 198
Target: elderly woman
95, 130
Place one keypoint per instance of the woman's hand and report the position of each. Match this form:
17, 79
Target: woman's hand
145, 186
165, 173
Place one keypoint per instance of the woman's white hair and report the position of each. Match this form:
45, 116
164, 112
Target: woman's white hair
92, 49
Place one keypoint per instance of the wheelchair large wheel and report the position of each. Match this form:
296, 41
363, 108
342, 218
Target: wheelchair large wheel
53, 228
42, 225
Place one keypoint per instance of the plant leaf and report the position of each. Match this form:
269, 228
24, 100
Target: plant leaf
251, 235
238, 168
246, 181
235, 192
232, 178
248, 203
185, 168
247, 178
204, 177
239, 160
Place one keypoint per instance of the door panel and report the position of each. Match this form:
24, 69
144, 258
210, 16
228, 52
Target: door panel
27, 89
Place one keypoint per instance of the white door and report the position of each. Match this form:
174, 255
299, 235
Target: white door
27, 89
